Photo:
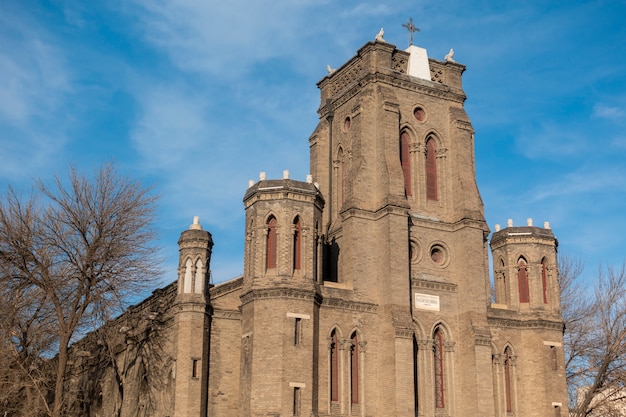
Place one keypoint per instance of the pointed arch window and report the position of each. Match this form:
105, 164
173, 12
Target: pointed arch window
431, 171
439, 369
508, 391
297, 242
354, 369
341, 174
501, 284
405, 161
188, 277
271, 243
334, 366
199, 278
544, 280
522, 281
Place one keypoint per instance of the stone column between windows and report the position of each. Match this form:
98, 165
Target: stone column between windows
449, 378
500, 400
344, 361
362, 350
443, 182
514, 384
426, 378
414, 152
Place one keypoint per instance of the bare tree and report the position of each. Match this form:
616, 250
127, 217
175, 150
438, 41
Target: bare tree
595, 340
81, 248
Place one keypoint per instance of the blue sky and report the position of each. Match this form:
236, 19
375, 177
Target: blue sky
196, 97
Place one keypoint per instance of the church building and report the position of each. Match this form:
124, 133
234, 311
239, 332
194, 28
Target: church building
366, 288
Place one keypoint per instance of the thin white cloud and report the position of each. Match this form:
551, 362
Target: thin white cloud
368, 9
170, 127
550, 140
221, 38
603, 111
34, 84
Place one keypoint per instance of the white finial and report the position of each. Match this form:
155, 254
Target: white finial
546, 225
286, 174
262, 176
309, 178
509, 223
450, 56
330, 69
497, 227
196, 224
529, 221
379, 35
250, 183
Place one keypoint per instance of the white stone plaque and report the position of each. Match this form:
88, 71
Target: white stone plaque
427, 302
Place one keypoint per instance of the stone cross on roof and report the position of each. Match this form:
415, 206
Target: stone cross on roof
411, 28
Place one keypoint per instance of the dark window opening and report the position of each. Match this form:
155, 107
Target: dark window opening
297, 243
195, 370
522, 281
438, 356
271, 243
297, 332
334, 367
507, 380
405, 162
354, 369
431, 171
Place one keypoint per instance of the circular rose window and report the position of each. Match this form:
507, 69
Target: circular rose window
439, 255
419, 114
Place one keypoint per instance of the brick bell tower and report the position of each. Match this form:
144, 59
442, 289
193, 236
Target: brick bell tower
280, 298
405, 230
527, 316
192, 321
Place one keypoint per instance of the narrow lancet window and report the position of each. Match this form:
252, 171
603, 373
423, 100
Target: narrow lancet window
271, 243
544, 280
522, 281
354, 369
438, 360
507, 380
431, 171
297, 242
334, 366
405, 161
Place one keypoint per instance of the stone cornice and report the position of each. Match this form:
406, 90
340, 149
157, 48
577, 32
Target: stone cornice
227, 314
349, 305
435, 223
433, 285
373, 215
527, 324
269, 293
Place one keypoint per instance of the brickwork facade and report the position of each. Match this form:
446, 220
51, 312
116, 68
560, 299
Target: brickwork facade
366, 288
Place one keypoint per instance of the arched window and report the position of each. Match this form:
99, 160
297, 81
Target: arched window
187, 287
522, 281
199, 280
334, 366
354, 369
544, 280
405, 161
297, 238
501, 285
439, 369
341, 175
431, 171
271, 243
507, 380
